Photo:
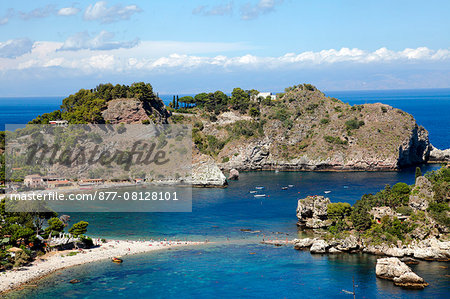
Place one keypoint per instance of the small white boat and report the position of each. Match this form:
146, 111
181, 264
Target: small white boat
345, 187
253, 191
284, 188
259, 188
290, 186
326, 192
259, 195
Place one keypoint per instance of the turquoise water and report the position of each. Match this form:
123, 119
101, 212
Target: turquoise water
236, 264
226, 268
230, 271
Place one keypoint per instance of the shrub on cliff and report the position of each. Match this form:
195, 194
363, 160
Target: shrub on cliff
354, 124
335, 140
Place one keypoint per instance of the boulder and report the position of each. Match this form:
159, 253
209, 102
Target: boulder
312, 212
395, 252
348, 244
393, 269
206, 173
334, 250
234, 174
319, 246
303, 243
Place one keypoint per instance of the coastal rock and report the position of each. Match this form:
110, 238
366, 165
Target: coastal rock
394, 269
319, 246
334, 250
312, 212
303, 243
206, 173
421, 194
432, 249
394, 251
234, 174
349, 243
439, 156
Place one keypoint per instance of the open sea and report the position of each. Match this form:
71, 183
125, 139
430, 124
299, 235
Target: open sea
236, 264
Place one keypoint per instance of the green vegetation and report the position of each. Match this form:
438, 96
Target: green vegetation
338, 210
335, 140
21, 230
418, 173
79, 228
324, 121
354, 124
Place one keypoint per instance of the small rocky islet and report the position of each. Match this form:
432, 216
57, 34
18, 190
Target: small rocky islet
408, 222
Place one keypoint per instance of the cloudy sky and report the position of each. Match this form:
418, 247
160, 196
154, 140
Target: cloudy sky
187, 46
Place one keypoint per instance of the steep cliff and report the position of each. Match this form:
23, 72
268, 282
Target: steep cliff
134, 111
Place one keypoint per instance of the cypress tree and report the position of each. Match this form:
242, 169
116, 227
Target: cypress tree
418, 173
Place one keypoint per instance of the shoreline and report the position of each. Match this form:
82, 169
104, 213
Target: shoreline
12, 280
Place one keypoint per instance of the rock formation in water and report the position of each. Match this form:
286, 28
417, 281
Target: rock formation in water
312, 212
206, 173
234, 174
397, 271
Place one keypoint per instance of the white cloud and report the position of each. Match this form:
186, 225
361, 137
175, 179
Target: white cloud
91, 54
218, 10
102, 41
253, 11
15, 47
100, 12
40, 12
68, 11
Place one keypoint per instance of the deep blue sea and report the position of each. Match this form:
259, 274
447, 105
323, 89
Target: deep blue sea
236, 265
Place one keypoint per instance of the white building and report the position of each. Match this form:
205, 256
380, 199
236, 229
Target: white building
59, 123
264, 95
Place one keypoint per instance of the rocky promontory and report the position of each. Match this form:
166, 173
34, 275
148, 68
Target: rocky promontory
303, 129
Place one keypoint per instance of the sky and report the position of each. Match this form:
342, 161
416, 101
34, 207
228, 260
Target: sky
54, 48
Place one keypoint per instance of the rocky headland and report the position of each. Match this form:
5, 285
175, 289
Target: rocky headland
302, 129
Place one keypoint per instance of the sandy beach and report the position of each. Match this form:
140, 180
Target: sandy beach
53, 261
